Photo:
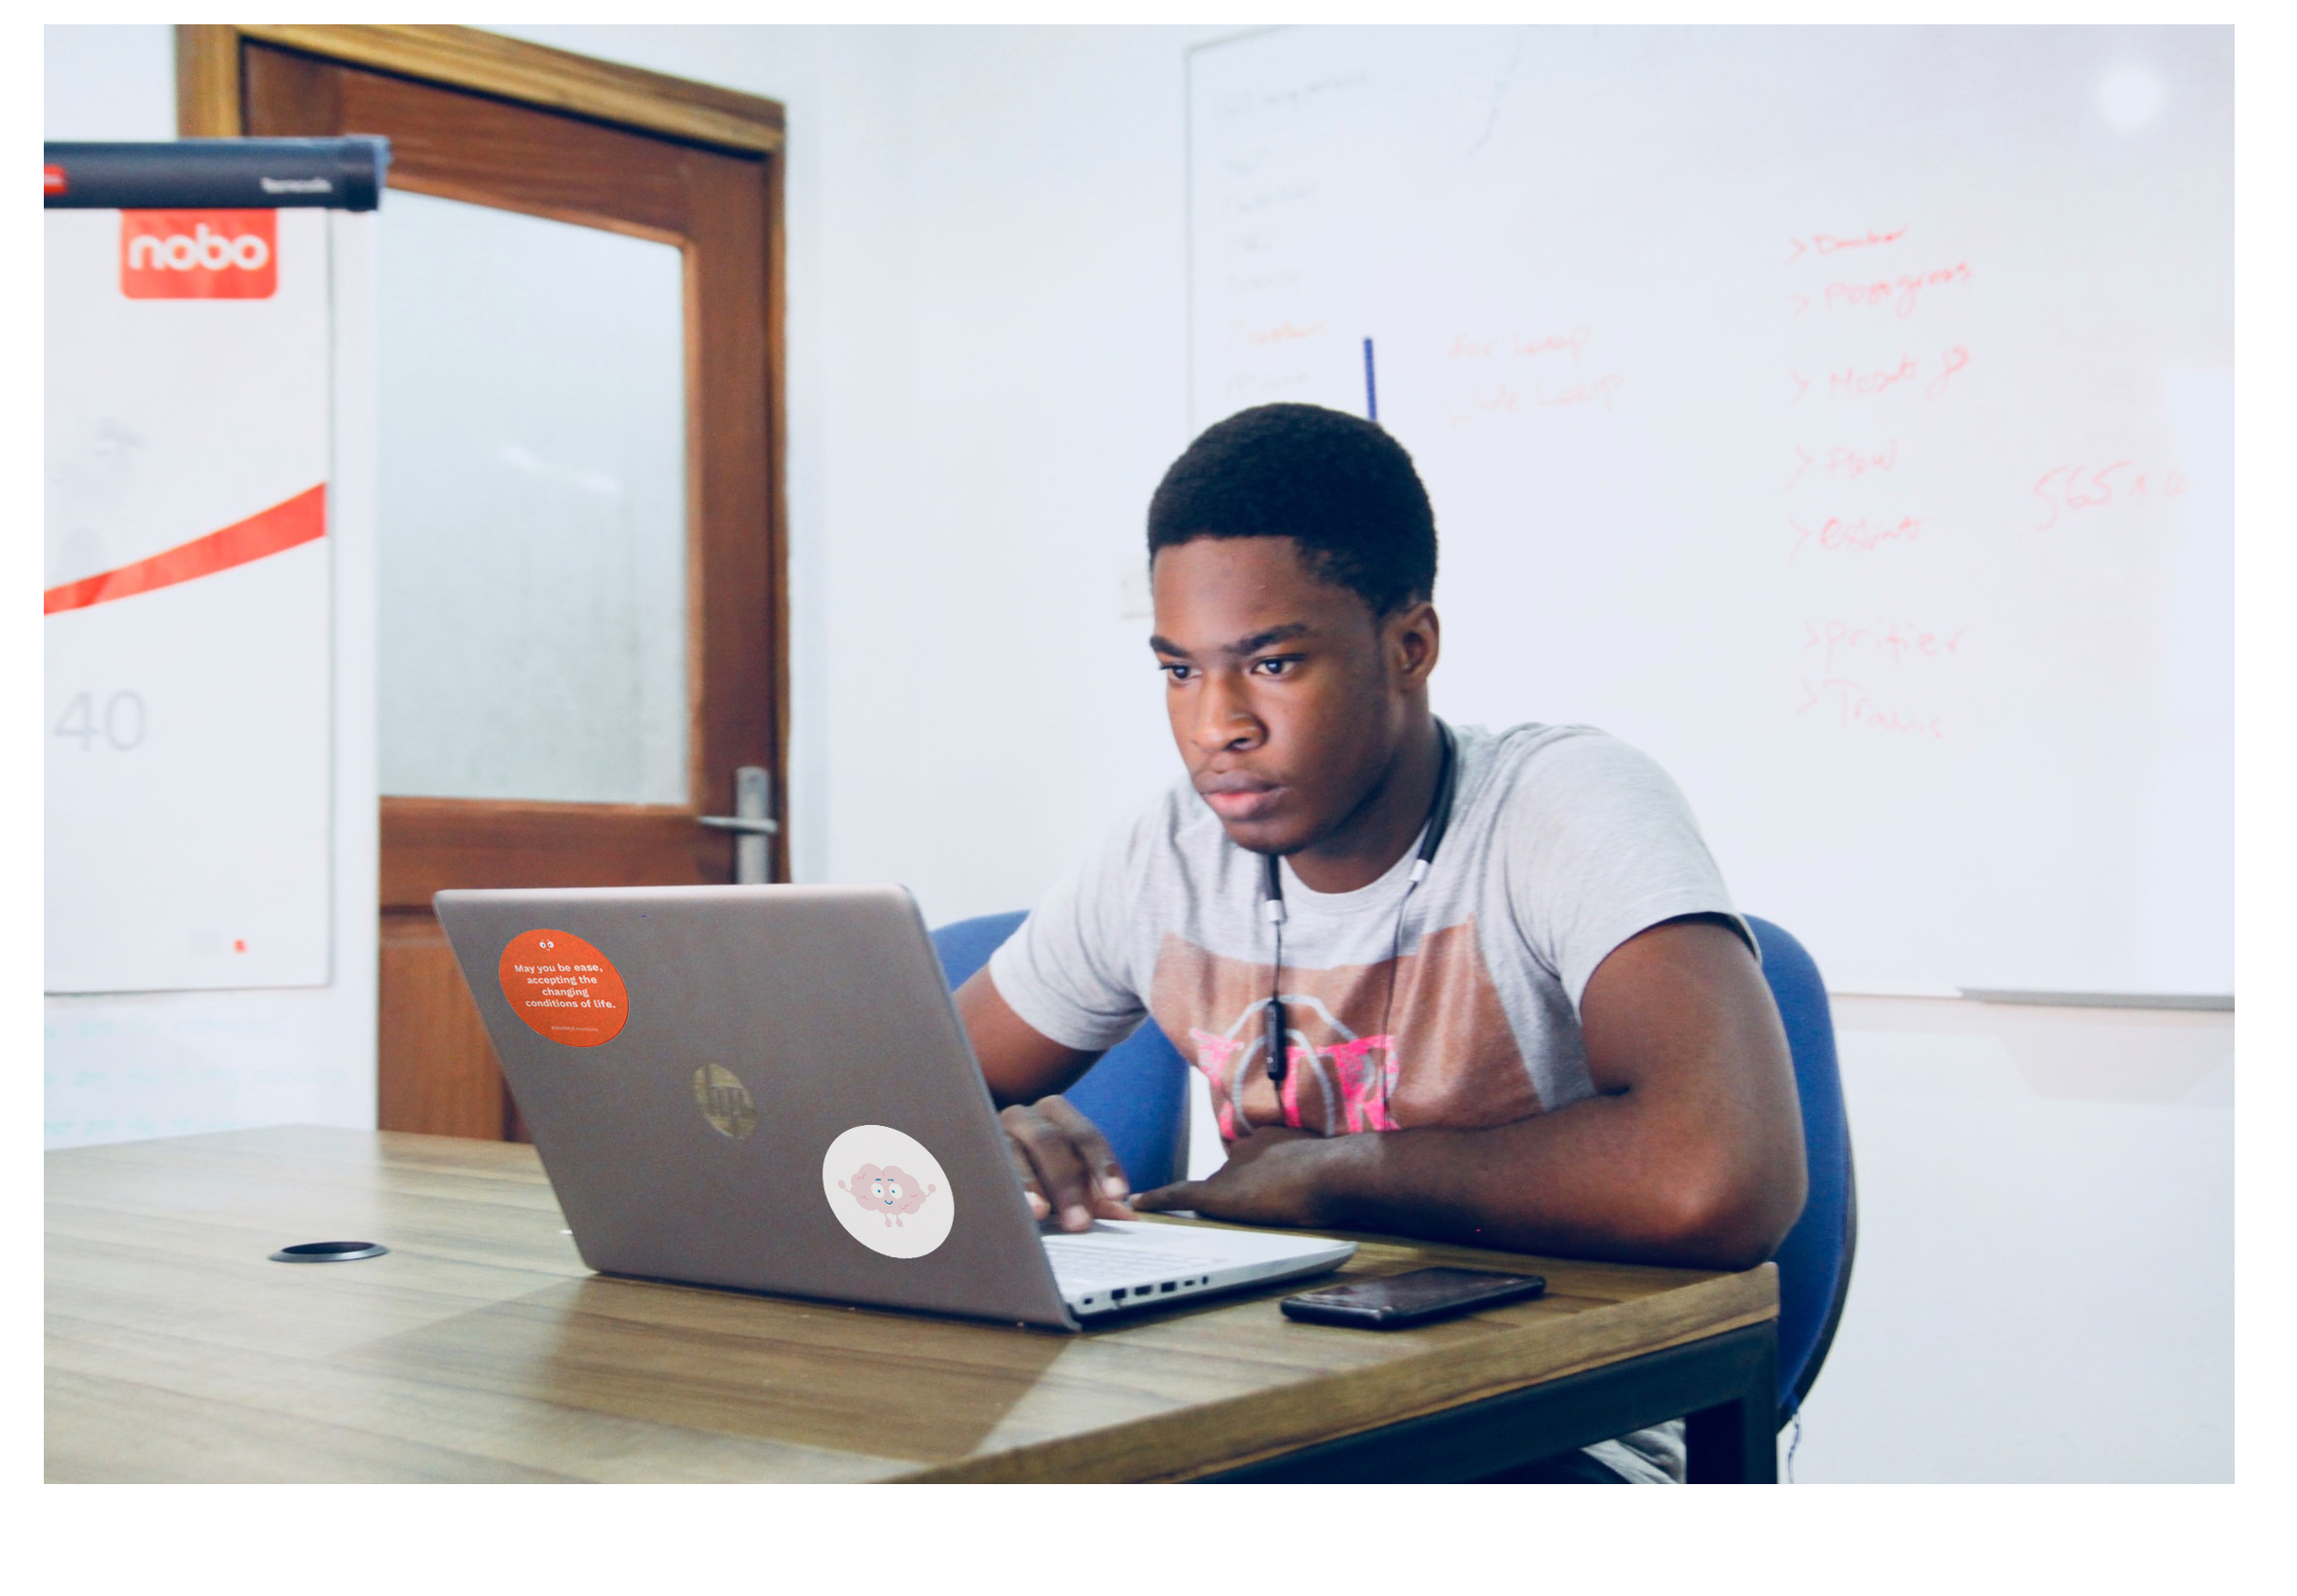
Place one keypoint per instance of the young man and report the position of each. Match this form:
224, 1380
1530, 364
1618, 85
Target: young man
1553, 1038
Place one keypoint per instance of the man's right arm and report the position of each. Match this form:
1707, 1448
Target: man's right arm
1065, 1165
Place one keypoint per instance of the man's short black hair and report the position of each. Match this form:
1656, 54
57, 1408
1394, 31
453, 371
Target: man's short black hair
1340, 488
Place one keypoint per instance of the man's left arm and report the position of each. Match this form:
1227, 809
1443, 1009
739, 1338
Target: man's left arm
1690, 1153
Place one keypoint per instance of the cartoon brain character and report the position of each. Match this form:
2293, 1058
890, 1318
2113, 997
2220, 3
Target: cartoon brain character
889, 1192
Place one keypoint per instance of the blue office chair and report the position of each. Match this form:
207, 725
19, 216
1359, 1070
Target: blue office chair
1138, 1095
1814, 1261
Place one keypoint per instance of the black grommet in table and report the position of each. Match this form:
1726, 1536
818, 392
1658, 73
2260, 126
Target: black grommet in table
329, 1252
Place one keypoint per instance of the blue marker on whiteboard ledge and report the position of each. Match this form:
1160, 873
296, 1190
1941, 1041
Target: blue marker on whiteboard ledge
1371, 391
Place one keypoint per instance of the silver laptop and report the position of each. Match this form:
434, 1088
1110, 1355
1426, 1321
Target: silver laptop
766, 1088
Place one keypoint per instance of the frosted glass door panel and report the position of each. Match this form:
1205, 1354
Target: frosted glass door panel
533, 550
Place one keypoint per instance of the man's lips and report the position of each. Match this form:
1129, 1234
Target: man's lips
1236, 796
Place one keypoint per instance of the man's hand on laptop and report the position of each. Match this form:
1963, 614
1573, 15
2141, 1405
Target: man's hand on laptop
1271, 1178
1065, 1164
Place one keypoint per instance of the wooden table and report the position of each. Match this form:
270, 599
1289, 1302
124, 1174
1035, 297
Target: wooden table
481, 1349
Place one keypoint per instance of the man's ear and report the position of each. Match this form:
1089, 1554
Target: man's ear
1414, 637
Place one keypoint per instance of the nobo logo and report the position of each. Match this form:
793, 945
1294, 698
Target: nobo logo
198, 254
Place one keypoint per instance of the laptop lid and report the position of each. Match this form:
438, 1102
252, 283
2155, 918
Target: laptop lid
759, 1087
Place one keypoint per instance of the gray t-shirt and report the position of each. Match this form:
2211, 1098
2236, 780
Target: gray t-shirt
1564, 842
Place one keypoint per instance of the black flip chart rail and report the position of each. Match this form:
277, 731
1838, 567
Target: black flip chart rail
216, 174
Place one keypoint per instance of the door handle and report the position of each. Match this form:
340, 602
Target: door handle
751, 822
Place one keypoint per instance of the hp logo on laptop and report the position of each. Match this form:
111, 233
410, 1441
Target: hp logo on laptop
725, 1102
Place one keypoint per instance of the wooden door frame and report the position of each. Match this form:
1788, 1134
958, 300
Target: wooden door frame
211, 104
209, 101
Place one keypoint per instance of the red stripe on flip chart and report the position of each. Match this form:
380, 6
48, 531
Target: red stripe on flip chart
300, 519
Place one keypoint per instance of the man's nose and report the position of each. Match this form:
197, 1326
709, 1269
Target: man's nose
1223, 719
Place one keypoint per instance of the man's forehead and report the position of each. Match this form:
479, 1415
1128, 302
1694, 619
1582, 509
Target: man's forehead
1213, 594
1251, 643
1274, 560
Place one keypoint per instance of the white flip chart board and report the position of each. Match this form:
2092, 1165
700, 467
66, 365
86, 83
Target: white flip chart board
186, 598
1842, 415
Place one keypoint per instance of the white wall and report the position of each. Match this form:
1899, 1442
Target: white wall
108, 80
127, 1066
2044, 1281
987, 322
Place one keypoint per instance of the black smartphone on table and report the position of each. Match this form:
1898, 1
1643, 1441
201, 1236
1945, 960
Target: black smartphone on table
1416, 1297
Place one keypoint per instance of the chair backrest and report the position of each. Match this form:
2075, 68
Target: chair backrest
1137, 1094
1814, 1261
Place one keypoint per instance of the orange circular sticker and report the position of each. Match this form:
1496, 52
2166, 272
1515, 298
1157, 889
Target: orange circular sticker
564, 988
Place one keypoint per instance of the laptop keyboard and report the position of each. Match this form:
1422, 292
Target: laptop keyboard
1081, 1264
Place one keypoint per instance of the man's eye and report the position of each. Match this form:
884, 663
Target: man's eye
1177, 673
1274, 667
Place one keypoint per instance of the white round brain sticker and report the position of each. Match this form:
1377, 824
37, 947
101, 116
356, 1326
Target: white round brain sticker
888, 1191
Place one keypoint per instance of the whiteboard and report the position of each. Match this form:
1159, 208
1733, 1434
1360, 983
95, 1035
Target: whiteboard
188, 620
1843, 416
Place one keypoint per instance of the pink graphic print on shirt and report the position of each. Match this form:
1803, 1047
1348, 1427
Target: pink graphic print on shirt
1446, 1055
1354, 1080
